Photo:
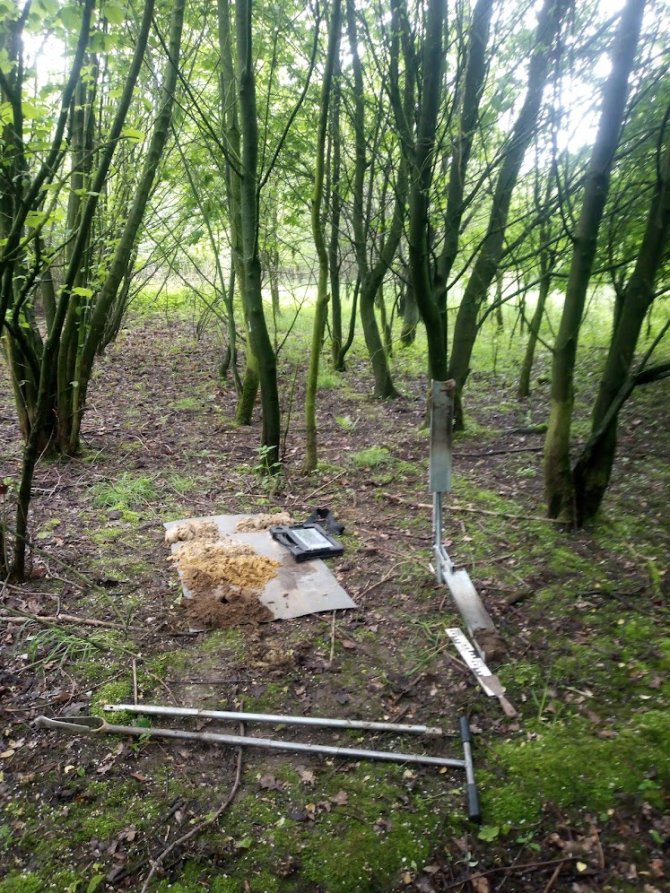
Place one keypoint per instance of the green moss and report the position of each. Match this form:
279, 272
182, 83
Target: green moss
371, 457
115, 692
125, 493
22, 883
225, 640
187, 403
107, 535
566, 765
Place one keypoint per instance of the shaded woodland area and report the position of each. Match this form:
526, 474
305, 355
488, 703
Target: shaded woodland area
237, 242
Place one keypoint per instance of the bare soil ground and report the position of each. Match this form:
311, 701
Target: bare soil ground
583, 616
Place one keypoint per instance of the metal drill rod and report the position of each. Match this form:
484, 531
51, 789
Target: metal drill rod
95, 725
276, 719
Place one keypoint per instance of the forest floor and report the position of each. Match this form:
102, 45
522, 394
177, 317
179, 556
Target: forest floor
574, 791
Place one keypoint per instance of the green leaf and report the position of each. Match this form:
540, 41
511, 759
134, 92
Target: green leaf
71, 17
114, 13
35, 218
5, 64
131, 133
82, 292
488, 833
245, 843
6, 113
94, 884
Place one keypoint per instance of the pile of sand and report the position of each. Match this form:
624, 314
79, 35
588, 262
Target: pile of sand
192, 530
225, 580
263, 522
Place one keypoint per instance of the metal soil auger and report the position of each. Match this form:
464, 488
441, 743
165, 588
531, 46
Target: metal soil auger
95, 725
475, 616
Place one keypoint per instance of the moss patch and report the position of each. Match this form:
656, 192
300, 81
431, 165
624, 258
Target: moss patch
568, 766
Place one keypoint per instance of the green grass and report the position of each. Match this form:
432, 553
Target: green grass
128, 492
372, 457
568, 766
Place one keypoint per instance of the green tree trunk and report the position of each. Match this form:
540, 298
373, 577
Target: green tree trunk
232, 142
535, 325
557, 472
258, 336
371, 278
321, 305
421, 167
475, 77
488, 259
593, 469
335, 219
104, 304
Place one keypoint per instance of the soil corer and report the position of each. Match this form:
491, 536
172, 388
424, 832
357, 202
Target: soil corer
276, 719
464, 594
487, 680
95, 725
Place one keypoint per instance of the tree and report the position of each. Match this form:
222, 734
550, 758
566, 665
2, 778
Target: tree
492, 248
322, 296
51, 374
557, 471
592, 471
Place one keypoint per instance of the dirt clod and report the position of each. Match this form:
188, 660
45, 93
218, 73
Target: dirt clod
225, 580
263, 522
192, 530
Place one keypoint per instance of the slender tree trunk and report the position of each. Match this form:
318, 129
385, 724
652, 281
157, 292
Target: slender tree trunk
124, 250
492, 249
258, 336
410, 315
321, 306
475, 77
421, 166
371, 279
48, 360
335, 218
232, 142
557, 473
535, 325
592, 472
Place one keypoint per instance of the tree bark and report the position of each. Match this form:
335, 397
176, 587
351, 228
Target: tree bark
371, 279
258, 336
593, 469
475, 76
557, 473
322, 296
492, 249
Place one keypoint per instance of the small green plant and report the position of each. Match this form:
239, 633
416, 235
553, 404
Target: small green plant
328, 380
371, 458
181, 484
346, 423
54, 645
127, 492
187, 403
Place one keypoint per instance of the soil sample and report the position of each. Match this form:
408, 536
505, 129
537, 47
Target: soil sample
192, 530
225, 580
263, 522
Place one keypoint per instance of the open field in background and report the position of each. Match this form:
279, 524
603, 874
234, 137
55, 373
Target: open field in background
574, 793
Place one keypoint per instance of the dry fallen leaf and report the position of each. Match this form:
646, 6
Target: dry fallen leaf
480, 884
341, 798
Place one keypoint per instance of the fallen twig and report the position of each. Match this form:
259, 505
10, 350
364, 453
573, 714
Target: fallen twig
323, 486
511, 869
500, 452
157, 860
385, 579
456, 507
63, 618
